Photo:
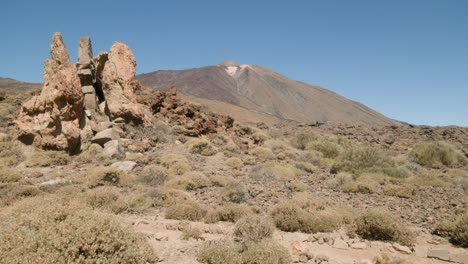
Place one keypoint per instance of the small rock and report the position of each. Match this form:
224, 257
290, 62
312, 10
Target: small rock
339, 243
105, 136
114, 150
402, 249
321, 258
359, 245
420, 251
126, 165
442, 254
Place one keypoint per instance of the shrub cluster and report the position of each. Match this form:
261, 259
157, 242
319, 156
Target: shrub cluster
439, 153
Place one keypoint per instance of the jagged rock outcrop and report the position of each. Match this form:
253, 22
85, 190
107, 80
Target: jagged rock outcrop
86, 73
51, 120
193, 119
117, 79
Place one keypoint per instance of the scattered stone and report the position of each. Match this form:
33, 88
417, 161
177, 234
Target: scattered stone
114, 150
321, 259
359, 245
402, 249
340, 244
442, 254
124, 165
300, 253
105, 136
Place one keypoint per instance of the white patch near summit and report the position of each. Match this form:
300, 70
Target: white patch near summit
231, 70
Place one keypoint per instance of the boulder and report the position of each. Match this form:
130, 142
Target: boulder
118, 85
51, 119
105, 136
114, 150
126, 165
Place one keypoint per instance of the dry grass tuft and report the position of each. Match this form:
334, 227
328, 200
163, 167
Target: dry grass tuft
107, 176
47, 159
377, 224
153, 175
263, 153
202, 147
49, 230
230, 213
235, 163
106, 199
254, 228
235, 192
189, 181
437, 154
186, 210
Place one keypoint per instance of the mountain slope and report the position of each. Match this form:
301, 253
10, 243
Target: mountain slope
7, 84
263, 91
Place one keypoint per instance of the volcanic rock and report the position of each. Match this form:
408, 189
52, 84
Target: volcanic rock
51, 119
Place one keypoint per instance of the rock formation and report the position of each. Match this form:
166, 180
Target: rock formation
52, 119
78, 103
117, 79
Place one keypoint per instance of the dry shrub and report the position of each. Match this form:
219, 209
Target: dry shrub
229, 212
456, 230
234, 163
93, 155
189, 181
360, 159
10, 153
259, 137
202, 147
13, 192
436, 154
254, 228
312, 203
339, 180
49, 230
377, 224
226, 252
153, 175
361, 185
107, 176
235, 192
263, 153
277, 146
428, 178
399, 191
302, 138
305, 166
139, 202
288, 217
192, 232
8, 175
283, 172
47, 159
106, 198
296, 186
330, 146
261, 173
176, 164
185, 210
220, 252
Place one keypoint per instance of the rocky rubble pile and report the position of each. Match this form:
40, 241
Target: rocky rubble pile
78, 102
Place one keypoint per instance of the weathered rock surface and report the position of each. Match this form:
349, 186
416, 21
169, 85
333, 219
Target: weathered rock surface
119, 86
114, 150
193, 119
51, 120
105, 136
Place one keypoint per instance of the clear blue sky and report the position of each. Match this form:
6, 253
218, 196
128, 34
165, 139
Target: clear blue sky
408, 59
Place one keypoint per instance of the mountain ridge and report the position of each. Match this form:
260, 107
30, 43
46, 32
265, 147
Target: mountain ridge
262, 90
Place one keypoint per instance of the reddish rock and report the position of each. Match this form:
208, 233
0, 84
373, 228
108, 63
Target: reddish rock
51, 120
119, 86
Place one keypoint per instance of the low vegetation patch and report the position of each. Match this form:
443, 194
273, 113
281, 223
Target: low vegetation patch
153, 175
202, 147
437, 154
263, 153
189, 181
107, 176
377, 224
185, 210
235, 191
227, 252
107, 199
361, 159
254, 228
229, 212
47, 159
49, 231
456, 230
